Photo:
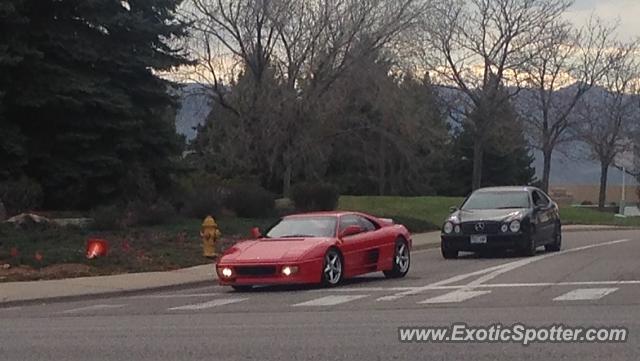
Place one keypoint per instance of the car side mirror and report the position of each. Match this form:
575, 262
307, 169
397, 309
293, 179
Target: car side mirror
453, 209
255, 233
350, 231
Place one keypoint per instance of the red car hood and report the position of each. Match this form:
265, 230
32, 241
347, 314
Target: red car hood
272, 250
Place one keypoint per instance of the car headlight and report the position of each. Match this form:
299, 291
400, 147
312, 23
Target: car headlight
457, 228
504, 228
227, 272
289, 270
448, 227
514, 226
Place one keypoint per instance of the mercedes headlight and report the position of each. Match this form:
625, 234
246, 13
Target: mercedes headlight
448, 228
514, 226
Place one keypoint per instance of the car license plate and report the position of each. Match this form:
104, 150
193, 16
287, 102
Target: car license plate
478, 239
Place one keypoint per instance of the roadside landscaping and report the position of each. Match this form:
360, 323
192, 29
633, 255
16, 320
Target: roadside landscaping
428, 213
49, 252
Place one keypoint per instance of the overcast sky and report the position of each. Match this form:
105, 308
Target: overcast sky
626, 11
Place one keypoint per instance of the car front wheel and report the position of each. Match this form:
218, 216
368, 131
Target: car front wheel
448, 253
529, 248
332, 268
556, 245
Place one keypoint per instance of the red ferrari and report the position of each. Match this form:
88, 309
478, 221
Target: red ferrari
324, 247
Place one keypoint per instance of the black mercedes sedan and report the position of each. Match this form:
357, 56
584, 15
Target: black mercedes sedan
519, 218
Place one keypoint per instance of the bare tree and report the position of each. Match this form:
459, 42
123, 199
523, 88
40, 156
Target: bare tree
563, 67
305, 46
605, 121
479, 46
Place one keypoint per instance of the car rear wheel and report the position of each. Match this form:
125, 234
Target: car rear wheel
243, 288
448, 253
401, 260
332, 269
557, 241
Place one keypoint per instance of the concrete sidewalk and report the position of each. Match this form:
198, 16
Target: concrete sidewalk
12, 293
35, 291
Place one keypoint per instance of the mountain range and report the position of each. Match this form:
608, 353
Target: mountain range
196, 104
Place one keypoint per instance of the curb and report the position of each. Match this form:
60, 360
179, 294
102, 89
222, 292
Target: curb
212, 280
597, 229
422, 247
99, 295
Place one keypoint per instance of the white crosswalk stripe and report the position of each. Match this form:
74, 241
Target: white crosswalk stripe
582, 294
210, 304
92, 308
330, 300
188, 295
454, 297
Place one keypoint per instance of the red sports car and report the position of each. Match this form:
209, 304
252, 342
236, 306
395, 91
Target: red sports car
324, 247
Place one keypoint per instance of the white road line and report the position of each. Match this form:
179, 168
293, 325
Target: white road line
93, 308
455, 296
367, 289
192, 295
10, 309
330, 300
551, 284
493, 272
486, 285
582, 294
210, 304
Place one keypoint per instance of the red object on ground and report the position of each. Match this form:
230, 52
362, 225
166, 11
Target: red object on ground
97, 248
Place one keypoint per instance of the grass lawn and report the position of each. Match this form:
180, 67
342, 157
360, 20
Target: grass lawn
61, 250
419, 214
572, 215
136, 249
428, 213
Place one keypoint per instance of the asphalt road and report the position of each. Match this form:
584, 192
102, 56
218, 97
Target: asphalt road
360, 319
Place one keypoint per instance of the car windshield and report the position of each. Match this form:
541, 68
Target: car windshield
303, 227
497, 200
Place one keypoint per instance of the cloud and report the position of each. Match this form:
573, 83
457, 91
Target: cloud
627, 12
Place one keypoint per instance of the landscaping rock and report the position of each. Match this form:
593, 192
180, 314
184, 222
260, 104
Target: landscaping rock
28, 220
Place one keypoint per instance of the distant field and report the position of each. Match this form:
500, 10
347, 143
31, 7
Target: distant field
572, 215
428, 213
419, 214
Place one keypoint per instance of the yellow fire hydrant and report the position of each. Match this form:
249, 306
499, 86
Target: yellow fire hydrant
210, 234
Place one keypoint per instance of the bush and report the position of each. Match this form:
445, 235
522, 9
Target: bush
198, 195
202, 204
249, 201
107, 217
156, 213
21, 195
315, 196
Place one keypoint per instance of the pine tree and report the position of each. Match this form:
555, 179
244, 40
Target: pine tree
86, 99
507, 159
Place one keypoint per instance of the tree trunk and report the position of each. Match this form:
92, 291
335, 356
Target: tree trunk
478, 155
286, 180
546, 170
604, 175
382, 181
